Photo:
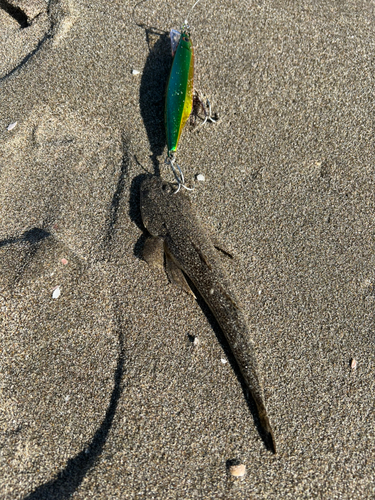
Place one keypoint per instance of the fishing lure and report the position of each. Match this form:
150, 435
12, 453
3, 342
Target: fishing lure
180, 95
179, 99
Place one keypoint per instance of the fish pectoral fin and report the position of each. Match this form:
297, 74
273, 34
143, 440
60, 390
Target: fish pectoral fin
213, 235
223, 249
176, 276
153, 252
218, 244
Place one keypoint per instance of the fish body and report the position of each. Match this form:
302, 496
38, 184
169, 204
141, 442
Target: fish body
179, 95
177, 235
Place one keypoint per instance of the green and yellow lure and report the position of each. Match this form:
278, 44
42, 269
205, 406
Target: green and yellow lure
179, 97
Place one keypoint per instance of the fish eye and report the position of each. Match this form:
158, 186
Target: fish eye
166, 187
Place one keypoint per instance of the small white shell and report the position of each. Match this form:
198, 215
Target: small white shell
200, 177
11, 126
353, 364
56, 292
224, 361
135, 72
237, 470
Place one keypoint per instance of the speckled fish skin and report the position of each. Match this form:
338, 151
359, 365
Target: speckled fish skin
176, 233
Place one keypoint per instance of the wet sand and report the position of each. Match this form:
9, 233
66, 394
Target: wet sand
102, 392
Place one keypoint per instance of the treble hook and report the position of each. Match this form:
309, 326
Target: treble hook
171, 161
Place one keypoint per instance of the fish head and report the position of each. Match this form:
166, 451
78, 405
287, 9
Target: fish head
157, 202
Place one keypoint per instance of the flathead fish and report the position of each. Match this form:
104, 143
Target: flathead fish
180, 243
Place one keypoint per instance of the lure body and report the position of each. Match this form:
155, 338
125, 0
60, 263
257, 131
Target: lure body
179, 98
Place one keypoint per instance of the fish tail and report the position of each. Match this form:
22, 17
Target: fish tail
265, 423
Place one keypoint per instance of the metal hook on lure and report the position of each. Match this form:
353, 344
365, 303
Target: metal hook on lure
179, 97
171, 161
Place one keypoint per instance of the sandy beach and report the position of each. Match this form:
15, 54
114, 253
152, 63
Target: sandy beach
103, 394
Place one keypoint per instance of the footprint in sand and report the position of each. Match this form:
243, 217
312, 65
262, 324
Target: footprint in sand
26, 26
